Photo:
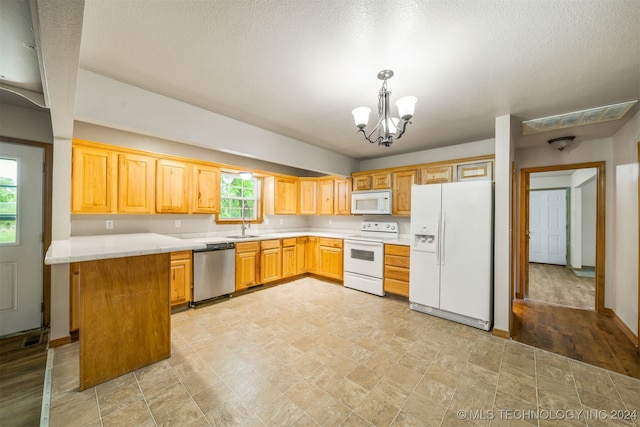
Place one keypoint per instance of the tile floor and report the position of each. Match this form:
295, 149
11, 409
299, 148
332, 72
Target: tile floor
557, 284
310, 353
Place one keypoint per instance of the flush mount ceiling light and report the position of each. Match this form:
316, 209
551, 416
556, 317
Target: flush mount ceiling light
245, 175
389, 128
577, 118
562, 142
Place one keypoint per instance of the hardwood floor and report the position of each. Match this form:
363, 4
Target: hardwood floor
22, 371
575, 333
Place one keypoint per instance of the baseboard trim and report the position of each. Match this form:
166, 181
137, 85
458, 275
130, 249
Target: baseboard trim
59, 342
501, 333
623, 326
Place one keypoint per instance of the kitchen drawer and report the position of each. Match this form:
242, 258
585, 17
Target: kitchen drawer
395, 260
400, 250
397, 287
398, 273
247, 247
270, 244
333, 243
289, 242
180, 255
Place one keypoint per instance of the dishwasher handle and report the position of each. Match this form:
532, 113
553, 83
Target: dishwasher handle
217, 247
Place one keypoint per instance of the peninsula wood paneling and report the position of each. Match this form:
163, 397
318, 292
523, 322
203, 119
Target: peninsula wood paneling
124, 316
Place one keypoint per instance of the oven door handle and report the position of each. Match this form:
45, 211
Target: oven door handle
362, 243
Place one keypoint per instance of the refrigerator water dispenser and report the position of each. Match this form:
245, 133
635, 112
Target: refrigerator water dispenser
425, 237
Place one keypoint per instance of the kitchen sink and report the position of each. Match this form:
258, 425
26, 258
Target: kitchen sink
246, 236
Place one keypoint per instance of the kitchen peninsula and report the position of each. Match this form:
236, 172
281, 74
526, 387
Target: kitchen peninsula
125, 316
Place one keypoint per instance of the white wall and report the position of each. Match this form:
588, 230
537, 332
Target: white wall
25, 123
104, 101
470, 149
625, 250
506, 129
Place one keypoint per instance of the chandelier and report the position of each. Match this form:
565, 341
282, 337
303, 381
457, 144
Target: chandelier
388, 128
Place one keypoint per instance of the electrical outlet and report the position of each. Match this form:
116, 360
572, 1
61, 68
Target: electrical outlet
178, 223
281, 221
330, 222
109, 224
266, 221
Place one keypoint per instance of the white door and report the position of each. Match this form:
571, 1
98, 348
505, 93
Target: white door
466, 238
548, 226
21, 184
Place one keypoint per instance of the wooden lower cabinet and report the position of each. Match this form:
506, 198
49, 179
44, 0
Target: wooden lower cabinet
301, 254
247, 264
270, 260
289, 257
311, 253
180, 277
396, 269
330, 258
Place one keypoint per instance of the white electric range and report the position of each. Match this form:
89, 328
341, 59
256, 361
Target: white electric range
364, 256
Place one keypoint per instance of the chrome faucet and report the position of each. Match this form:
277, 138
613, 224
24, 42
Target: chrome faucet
244, 207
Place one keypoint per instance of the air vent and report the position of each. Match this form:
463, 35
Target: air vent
577, 118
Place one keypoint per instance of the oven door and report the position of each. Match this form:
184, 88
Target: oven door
363, 257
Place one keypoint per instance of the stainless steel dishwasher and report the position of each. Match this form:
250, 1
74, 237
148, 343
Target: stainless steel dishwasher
214, 271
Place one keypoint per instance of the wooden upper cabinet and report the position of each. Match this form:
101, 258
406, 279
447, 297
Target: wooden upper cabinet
94, 180
362, 182
381, 181
206, 189
326, 196
172, 186
136, 183
436, 174
475, 171
342, 196
308, 196
402, 182
280, 195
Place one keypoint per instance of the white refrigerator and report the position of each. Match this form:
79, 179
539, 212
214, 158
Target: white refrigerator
451, 273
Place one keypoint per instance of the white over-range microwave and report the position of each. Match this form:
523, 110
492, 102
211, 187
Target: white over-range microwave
371, 202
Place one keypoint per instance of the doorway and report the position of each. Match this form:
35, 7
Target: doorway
20, 238
562, 229
574, 255
24, 234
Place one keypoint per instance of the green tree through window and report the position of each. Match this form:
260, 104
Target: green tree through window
237, 194
8, 200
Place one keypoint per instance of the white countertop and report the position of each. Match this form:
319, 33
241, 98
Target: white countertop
89, 248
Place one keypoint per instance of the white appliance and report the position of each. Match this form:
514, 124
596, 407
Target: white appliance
364, 256
371, 202
451, 272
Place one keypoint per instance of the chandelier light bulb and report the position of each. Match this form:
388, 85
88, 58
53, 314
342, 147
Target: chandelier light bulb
361, 116
406, 106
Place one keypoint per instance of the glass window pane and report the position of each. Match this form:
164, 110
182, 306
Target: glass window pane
236, 193
8, 200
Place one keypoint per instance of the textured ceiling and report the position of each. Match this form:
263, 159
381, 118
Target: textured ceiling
298, 67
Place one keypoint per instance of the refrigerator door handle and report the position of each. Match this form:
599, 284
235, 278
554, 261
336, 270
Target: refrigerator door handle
444, 222
438, 240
